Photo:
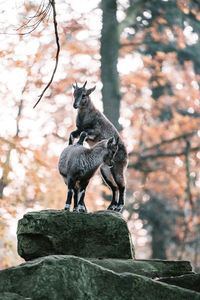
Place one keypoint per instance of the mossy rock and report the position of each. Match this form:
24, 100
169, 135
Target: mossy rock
101, 234
12, 296
60, 277
188, 281
152, 268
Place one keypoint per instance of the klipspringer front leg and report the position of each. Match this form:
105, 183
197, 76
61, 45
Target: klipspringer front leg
74, 134
92, 133
69, 199
82, 137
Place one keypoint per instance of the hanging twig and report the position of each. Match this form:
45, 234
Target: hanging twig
19, 117
39, 10
57, 53
40, 15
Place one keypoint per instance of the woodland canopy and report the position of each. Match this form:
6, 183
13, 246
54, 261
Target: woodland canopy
143, 57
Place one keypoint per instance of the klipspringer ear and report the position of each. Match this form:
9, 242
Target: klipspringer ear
89, 91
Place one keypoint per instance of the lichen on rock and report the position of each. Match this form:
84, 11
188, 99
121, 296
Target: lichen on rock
61, 277
102, 234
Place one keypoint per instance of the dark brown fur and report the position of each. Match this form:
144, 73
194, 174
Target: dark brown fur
78, 164
98, 127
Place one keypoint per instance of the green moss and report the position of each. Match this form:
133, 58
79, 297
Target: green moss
149, 268
99, 234
68, 277
189, 281
12, 296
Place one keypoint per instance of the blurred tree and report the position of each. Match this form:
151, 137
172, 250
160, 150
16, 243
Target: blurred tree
166, 38
150, 48
164, 33
110, 44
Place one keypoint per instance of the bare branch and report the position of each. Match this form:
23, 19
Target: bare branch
57, 53
19, 117
131, 14
179, 137
141, 163
39, 10
59, 137
171, 154
38, 13
187, 167
41, 15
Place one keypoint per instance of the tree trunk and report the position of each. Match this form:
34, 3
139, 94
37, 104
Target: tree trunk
109, 58
6, 169
158, 244
2, 186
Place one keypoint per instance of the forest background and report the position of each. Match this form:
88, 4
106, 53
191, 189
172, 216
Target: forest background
143, 57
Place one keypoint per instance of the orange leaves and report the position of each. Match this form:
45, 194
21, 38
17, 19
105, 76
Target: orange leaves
169, 177
146, 122
161, 20
185, 9
6, 53
138, 80
147, 60
2, 53
180, 38
157, 35
155, 32
184, 5
160, 55
198, 16
19, 64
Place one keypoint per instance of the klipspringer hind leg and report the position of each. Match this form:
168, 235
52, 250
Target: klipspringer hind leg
70, 194
107, 176
75, 209
118, 175
81, 204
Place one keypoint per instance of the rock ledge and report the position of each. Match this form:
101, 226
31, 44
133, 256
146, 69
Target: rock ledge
103, 234
60, 277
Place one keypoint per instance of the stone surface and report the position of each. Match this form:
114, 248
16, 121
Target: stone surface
100, 234
190, 281
12, 296
149, 268
69, 277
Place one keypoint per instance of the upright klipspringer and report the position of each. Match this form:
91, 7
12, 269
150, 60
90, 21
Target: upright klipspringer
98, 127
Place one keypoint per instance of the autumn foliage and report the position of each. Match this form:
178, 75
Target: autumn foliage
160, 113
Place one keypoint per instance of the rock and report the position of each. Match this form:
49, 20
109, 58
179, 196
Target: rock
101, 234
12, 296
190, 281
69, 277
149, 268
